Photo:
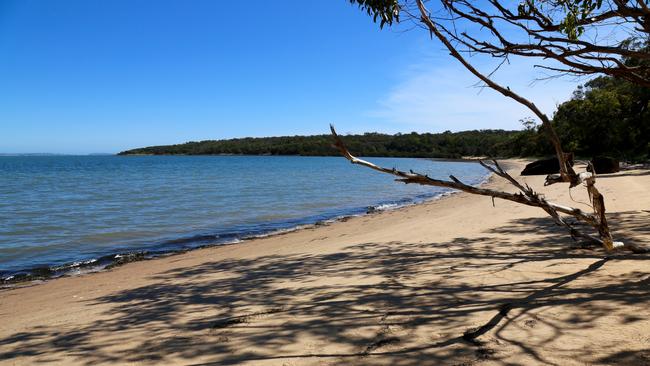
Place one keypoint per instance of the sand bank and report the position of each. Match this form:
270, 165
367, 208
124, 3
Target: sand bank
394, 288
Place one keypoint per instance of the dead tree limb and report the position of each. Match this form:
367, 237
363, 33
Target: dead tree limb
566, 50
526, 195
567, 174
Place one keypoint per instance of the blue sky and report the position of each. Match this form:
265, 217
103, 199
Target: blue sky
80, 76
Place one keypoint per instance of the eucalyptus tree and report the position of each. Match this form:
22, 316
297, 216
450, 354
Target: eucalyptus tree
574, 37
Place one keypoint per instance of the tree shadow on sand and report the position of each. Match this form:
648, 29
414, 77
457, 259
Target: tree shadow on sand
455, 302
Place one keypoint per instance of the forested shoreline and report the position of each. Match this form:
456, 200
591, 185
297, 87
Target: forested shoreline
426, 145
604, 117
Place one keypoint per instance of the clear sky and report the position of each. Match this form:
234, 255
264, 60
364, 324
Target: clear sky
79, 76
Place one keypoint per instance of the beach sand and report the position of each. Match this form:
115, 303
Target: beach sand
394, 288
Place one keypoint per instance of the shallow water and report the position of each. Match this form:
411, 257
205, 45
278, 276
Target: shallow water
57, 210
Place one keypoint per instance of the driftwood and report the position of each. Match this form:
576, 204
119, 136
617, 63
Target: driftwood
526, 196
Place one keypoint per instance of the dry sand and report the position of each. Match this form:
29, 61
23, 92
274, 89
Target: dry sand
395, 288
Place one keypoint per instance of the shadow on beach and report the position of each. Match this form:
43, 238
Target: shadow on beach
460, 302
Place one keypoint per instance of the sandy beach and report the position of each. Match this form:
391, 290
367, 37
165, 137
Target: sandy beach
393, 288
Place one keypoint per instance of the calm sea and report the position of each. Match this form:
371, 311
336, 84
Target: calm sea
59, 212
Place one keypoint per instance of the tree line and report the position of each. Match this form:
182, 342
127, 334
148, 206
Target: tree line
604, 117
426, 145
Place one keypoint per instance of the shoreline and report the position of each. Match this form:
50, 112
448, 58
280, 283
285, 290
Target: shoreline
109, 261
463, 159
397, 288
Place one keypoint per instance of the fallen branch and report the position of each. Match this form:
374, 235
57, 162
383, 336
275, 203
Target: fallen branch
439, 27
526, 195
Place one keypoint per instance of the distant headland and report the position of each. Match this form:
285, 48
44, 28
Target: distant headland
447, 144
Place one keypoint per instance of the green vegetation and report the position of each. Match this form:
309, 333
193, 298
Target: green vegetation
439, 145
606, 116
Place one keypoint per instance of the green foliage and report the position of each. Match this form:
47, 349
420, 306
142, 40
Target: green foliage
573, 13
387, 11
570, 14
606, 117
495, 143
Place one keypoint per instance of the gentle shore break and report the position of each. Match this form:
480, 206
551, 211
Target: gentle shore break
401, 287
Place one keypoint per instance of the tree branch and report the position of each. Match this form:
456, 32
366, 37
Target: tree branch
566, 171
526, 196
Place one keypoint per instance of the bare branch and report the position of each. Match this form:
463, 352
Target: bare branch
566, 171
527, 196
548, 39
536, 34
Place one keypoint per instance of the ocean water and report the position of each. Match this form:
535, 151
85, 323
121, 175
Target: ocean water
61, 213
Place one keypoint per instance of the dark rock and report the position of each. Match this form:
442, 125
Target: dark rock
544, 167
122, 259
605, 165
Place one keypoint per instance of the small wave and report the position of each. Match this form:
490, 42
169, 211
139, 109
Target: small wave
384, 207
232, 236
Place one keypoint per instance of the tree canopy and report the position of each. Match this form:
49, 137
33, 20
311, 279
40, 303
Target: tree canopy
577, 37
607, 116
430, 145
555, 32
